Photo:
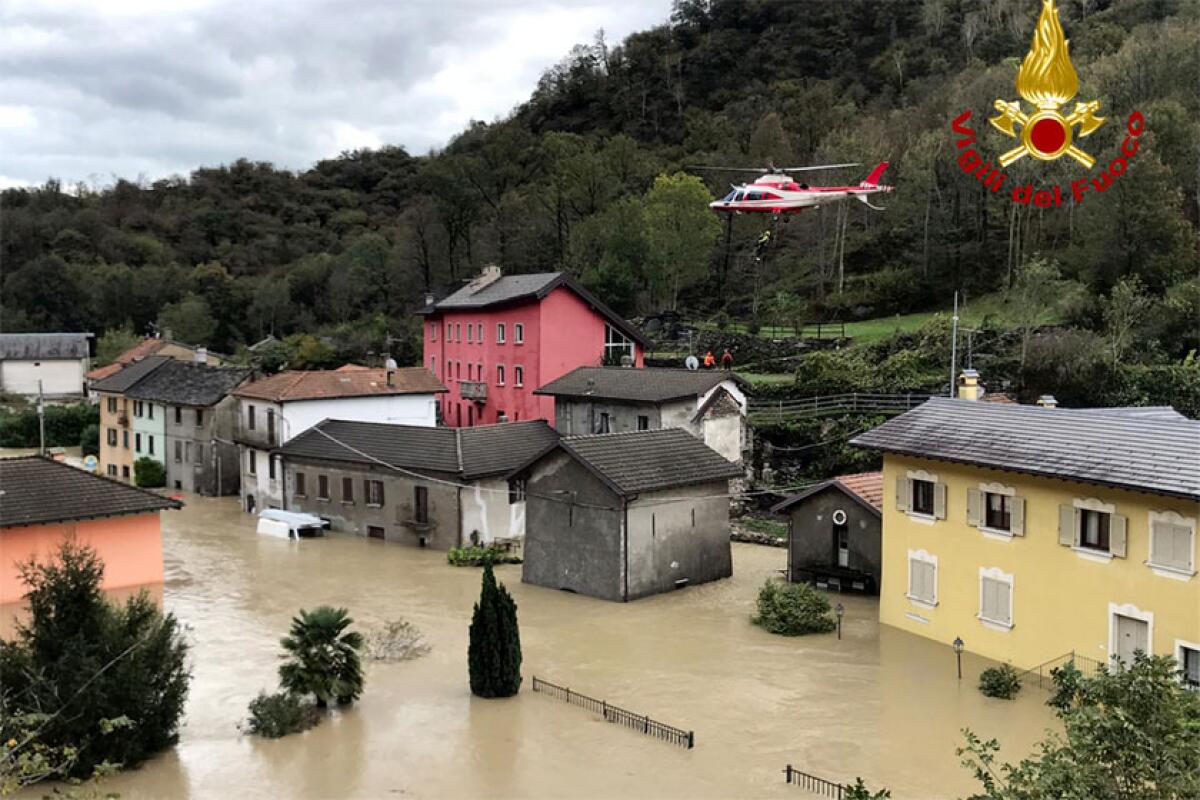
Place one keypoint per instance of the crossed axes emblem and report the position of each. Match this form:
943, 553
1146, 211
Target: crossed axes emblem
1054, 128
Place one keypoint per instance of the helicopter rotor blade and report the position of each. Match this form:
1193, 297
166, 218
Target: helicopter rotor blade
730, 169
817, 167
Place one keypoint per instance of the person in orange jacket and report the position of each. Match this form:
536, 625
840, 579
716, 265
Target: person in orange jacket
709, 360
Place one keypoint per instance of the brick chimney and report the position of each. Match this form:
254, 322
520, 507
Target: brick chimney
487, 276
969, 387
1047, 401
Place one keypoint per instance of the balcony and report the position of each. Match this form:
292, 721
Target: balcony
473, 390
123, 419
258, 437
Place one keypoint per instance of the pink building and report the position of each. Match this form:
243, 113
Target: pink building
500, 337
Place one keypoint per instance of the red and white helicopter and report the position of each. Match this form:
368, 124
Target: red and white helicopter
776, 192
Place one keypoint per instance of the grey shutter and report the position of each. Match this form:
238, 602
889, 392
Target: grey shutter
1117, 527
939, 501
987, 598
1018, 515
974, 507
1003, 602
1068, 526
902, 488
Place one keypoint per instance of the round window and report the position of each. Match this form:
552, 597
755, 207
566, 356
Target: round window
839, 517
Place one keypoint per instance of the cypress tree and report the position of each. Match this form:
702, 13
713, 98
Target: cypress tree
494, 654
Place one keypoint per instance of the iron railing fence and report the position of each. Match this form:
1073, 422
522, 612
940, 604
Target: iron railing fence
618, 715
814, 784
1040, 675
850, 403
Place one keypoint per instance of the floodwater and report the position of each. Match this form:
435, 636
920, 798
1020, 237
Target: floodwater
880, 703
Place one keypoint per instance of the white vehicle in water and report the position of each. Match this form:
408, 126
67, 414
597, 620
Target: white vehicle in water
290, 524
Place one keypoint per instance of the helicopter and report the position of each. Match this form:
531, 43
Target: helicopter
776, 192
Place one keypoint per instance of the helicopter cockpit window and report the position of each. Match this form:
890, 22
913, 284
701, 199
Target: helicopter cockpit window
729, 197
754, 195
737, 197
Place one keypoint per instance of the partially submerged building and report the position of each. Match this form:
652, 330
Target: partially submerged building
834, 533
626, 515
417, 485
709, 404
53, 364
45, 501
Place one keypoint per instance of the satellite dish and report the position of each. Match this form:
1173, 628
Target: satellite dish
839, 517
692, 363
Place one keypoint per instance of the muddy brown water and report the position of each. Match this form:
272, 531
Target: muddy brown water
880, 703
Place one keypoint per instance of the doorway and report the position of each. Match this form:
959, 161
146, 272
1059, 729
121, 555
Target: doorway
1129, 635
841, 544
375, 532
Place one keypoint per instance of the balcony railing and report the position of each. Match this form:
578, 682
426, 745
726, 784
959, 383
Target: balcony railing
123, 419
473, 390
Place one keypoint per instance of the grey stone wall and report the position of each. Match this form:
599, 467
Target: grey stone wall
812, 538
573, 546
579, 417
396, 516
679, 537
202, 458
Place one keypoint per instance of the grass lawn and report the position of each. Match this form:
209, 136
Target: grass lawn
767, 378
770, 527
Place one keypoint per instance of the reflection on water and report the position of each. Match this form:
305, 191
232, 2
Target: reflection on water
880, 703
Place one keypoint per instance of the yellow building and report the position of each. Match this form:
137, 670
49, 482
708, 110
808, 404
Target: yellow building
117, 438
1032, 532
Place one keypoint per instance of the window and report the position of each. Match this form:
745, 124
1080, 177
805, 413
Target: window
922, 497
616, 346
433, 331
499, 374
322, 487
199, 417
112, 405
270, 467
112, 470
922, 577
519, 333
301, 488
252, 462
150, 411
125, 439
125, 472
200, 453
187, 452
997, 511
1189, 664
499, 333
375, 532
137, 408
995, 597
919, 494
347, 490
250, 423
433, 365
516, 490
501, 416
643, 422
151, 442
470, 332
178, 415
137, 442
421, 503
112, 437
518, 376
271, 425
479, 333
602, 423
1172, 542
178, 450
458, 332
373, 491
1094, 528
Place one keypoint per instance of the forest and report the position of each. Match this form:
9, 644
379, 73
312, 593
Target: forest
592, 175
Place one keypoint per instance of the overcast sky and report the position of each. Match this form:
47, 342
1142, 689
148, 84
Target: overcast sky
158, 87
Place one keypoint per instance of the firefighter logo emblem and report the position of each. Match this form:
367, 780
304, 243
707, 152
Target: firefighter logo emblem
1047, 80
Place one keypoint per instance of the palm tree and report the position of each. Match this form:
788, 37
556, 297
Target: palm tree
322, 656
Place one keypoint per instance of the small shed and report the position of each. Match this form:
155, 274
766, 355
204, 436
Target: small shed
626, 515
834, 533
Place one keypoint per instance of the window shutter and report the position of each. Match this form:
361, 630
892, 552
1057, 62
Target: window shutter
902, 487
1068, 527
1017, 522
987, 598
939, 501
1117, 535
974, 507
1003, 602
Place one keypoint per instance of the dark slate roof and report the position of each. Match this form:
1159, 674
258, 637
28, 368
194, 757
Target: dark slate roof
647, 385
131, 375
43, 346
39, 490
1154, 452
468, 452
185, 383
511, 290
645, 461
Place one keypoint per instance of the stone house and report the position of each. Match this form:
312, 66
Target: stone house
626, 515
834, 533
417, 485
57, 361
195, 412
709, 404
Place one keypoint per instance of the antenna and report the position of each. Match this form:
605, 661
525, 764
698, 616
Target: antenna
953, 344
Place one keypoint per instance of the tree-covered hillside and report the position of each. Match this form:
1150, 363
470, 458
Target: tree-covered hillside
588, 176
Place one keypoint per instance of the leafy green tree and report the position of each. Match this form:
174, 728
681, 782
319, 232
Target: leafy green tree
190, 321
680, 232
1126, 309
113, 342
770, 143
82, 667
859, 791
322, 657
494, 652
89, 440
1035, 299
793, 609
149, 474
1131, 732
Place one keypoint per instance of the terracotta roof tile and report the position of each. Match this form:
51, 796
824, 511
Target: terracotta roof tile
143, 349
867, 485
316, 385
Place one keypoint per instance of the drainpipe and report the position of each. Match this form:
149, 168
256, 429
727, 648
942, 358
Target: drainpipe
625, 545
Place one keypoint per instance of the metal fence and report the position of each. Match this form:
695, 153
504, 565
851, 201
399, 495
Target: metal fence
1040, 675
812, 783
618, 715
851, 403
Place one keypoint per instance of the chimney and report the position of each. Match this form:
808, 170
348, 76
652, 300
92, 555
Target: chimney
1047, 401
489, 275
969, 387
428, 299
390, 365
201, 355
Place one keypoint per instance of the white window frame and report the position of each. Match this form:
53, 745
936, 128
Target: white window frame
518, 375
433, 326
922, 475
999, 575
1180, 645
995, 488
500, 333
1133, 612
927, 558
1163, 570
1089, 553
499, 374
518, 333
617, 344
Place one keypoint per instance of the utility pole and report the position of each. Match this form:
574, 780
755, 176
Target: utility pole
41, 412
953, 344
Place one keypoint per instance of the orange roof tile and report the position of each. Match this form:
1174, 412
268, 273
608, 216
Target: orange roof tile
867, 485
144, 348
319, 384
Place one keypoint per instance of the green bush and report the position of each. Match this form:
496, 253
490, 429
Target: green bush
149, 474
322, 657
275, 715
494, 652
1002, 681
479, 555
793, 609
89, 441
65, 425
104, 666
